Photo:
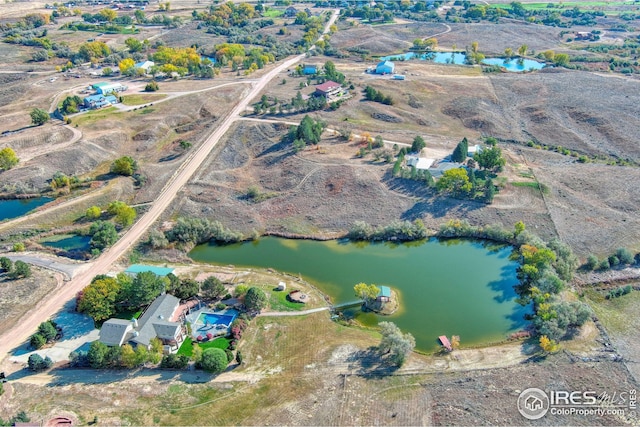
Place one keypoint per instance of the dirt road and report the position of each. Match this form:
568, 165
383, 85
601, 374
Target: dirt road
12, 338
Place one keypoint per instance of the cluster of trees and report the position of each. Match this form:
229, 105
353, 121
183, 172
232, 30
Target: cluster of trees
123, 214
125, 165
376, 13
199, 230
228, 15
70, 104
425, 44
395, 345
367, 293
103, 234
17, 270
372, 94
8, 158
20, 418
101, 356
467, 184
403, 231
62, 182
309, 131
620, 291
622, 256
47, 332
37, 363
39, 116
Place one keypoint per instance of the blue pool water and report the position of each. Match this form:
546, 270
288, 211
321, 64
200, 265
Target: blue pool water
437, 57
217, 319
515, 65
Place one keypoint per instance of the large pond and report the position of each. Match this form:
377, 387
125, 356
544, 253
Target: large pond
517, 65
451, 287
14, 208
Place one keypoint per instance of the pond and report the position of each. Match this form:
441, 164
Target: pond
450, 287
459, 58
67, 242
13, 208
516, 65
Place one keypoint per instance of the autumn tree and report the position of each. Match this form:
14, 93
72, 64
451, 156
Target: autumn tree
92, 213
98, 300
454, 181
133, 44
522, 50
108, 14
8, 158
127, 66
548, 345
490, 158
123, 213
125, 165
367, 293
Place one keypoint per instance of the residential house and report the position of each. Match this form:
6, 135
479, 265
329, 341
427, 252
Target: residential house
385, 67
330, 90
290, 12
144, 66
384, 295
420, 163
163, 319
437, 169
99, 101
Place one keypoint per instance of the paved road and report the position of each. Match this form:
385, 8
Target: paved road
12, 338
66, 268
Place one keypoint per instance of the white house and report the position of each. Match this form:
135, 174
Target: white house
144, 66
473, 150
420, 163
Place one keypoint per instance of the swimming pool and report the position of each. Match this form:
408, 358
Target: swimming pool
217, 318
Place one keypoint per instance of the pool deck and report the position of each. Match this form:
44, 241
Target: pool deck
198, 328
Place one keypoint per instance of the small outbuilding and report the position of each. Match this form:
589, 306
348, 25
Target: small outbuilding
385, 67
281, 286
309, 69
384, 295
144, 66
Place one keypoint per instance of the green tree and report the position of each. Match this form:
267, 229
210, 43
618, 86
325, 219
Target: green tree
108, 14
625, 256
134, 45
255, 300
48, 330
395, 343
418, 144
125, 165
107, 71
365, 292
152, 86
70, 104
522, 50
490, 158
37, 341
93, 213
103, 234
8, 158
214, 360
128, 356
6, 264
144, 288
519, 227
186, 289
124, 214
561, 59
213, 288
39, 116
98, 299
460, 152
20, 269
98, 355
455, 182
37, 363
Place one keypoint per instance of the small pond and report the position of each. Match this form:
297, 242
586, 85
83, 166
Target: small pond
13, 208
67, 242
517, 65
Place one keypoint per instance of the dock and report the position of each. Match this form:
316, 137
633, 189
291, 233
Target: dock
445, 342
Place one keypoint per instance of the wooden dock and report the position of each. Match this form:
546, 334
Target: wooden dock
445, 342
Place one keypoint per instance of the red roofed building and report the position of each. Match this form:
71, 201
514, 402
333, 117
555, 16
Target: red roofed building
330, 90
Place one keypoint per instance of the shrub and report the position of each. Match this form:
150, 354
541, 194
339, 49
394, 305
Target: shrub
214, 360
230, 355
604, 265
618, 292
18, 247
6, 264
625, 256
37, 363
614, 261
20, 269
152, 86
93, 212
174, 361
592, 262
37, 341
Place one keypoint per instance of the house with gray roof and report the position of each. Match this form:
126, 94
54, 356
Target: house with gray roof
162, 319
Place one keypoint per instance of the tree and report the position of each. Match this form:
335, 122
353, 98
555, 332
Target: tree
152, 86
548, 345
128, 356
460, 152
522, 50
124, 214
214, 360
367, 293
108, 14
213, 288
519, 227
98, 355
94, 212
395, 343
93, 50
37, 341
125, 165
186, 289
8, 158
6, 264
70, 104
255, 300
624, 256
127, 66
140, 16
98, 299
103, 234
144, 288
39, 116
418, 144
455, 182
133, 44
107, 71
37, 363
20, 269
508, 53
561, 59
48, 330
490, 158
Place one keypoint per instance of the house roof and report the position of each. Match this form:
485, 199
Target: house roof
115, 331
166, 330
100, 84
94, 98
161, 309
386, 64
327, 86
145, 65
140, 268
424, 163
385, 291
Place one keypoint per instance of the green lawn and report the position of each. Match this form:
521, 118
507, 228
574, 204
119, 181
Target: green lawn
142, 98
93, 116
187, 346
279, 302
272, 13
532, 184
128, 314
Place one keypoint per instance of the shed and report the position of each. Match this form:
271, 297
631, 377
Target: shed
385, 67
139, 268
398, 77
385, 294
309, 70
445, 342
281, 286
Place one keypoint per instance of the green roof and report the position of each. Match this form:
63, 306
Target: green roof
139, 268
101, 84
385, 291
